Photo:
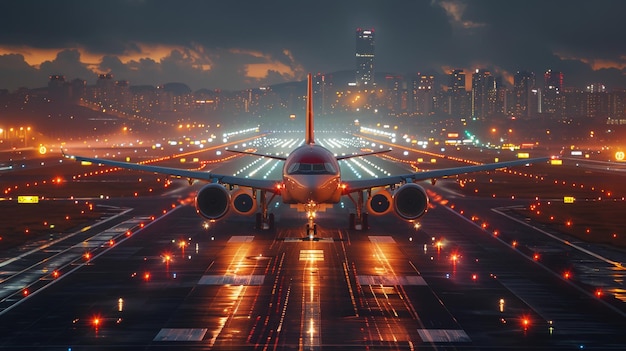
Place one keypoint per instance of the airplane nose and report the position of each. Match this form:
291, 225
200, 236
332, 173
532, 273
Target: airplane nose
317, 188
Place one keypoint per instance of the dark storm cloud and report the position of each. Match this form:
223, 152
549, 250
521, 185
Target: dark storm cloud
237, 44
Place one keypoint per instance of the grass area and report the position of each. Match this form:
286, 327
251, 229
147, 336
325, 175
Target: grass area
593, 221
595, 216
21, 223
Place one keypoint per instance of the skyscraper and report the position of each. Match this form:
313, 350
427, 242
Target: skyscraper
457, 94
364, 57
422, 88
523, 84
552, 89
482, 84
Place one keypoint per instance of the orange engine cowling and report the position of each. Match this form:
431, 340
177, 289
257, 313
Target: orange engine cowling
410, 201
212, 201
243, 201
380, 203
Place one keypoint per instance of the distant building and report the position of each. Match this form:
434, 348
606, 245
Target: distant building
457, 95
364, 57
58, 88
422, 94
482, 85
104, 92
523, 105
394, 102
552, 93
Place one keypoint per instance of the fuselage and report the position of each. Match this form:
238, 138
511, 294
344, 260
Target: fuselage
311, 175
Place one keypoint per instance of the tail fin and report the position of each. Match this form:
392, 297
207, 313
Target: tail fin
309, 112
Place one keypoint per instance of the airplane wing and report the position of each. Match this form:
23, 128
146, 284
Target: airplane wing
263, 184
339, 158
276, 157
360, 184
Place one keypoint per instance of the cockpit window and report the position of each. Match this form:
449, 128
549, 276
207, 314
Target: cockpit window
311, 168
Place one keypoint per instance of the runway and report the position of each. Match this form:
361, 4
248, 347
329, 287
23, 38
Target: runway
173, 285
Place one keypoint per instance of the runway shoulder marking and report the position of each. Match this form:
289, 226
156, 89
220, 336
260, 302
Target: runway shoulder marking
232, 279
381, 239
444, 335
240, 238
387, 280
181, 334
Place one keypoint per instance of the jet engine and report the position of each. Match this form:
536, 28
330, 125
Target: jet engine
243, 201
410, 201
212, 201
380, 203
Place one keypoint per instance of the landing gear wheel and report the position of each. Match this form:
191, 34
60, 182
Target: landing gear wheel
352, 221
314, 229
364, 221
259, 221
271, 220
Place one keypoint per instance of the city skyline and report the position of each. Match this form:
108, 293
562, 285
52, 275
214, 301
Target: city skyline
245, 44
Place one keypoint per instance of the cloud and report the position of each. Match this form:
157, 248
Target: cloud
141, 63
455, 9
597, 64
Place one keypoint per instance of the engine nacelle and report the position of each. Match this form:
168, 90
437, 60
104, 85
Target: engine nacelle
380, 203
243, 201
212, 201
410, 201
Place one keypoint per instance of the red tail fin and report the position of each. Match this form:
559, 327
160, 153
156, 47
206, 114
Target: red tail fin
309, 112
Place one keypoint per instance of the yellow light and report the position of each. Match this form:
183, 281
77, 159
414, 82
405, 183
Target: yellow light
27, 199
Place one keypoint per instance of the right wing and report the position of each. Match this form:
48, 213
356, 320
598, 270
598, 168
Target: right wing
262, 184
276, 157
361, 184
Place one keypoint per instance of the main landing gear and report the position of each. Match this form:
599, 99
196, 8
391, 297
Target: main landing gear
264, 221
358, 220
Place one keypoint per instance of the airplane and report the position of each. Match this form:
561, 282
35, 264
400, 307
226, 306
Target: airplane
311, 182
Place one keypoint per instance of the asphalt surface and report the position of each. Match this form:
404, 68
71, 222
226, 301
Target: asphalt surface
233, 287
474, 276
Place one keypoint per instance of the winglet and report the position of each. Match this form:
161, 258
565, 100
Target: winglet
309, 112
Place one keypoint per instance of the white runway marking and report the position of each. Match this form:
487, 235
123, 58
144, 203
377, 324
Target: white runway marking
231, 279
390, 280
311, 255
444, 335
181, 334
382, 239
240, 238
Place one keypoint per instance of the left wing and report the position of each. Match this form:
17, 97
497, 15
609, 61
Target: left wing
360, 184
262, 184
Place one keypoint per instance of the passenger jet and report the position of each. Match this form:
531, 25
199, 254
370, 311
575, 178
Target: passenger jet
311, 181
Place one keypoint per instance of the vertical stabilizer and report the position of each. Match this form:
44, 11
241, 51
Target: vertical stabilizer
309, 111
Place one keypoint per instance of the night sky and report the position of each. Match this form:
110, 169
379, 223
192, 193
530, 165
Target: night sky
241, 44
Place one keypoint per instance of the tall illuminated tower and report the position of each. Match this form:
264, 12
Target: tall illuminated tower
552, 89
482, 84
364, 57
457, 94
